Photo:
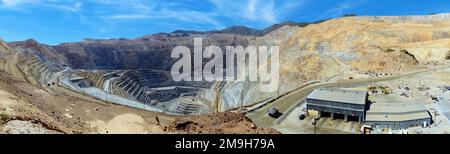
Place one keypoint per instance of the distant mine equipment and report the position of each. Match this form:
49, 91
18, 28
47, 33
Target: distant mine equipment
302, 117
447, 88
434, 98
424, 124
423, 88
274, 113
366, 129
380, 89
404, 94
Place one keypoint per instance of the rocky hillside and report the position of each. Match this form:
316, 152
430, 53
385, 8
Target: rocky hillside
347, 46
221, 123
31, 61
342, 47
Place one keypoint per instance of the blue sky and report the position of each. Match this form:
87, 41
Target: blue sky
56, 21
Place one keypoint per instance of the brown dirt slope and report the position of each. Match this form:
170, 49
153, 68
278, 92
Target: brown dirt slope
24, 108
220, 123
68, 112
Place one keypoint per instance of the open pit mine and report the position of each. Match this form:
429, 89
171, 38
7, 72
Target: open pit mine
125, 85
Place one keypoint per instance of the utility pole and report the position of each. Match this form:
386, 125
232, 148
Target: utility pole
217, 100
242, 97
106, 97
435, 117
314, 123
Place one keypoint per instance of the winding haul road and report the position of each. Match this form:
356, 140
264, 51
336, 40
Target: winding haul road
285, 103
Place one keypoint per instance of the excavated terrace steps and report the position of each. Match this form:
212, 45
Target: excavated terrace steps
185, 108
130, 84
98, 79
134, 84
35, 68
231, 95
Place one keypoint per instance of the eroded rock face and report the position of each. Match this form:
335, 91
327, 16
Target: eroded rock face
37, 63
25, 127
318, 51
221, 123
368, 36
6, 53
345, 46
146, 62
28, 61
148, 52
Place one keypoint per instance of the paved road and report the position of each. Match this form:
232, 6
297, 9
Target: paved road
285, 103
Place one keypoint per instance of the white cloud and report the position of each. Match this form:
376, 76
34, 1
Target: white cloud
260, 10
211, 15
266, 11
238, 10
15, 4
126, 10
185, 16
21, 5
12, 3
340, 9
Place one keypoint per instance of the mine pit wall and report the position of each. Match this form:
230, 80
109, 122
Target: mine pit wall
116, 89
8, 60
183, 106
28, 65
133, 86
36, 71
97, 78
236, 94
248, 93
128, 85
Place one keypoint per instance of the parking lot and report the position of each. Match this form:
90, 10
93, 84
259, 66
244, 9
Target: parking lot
293, 125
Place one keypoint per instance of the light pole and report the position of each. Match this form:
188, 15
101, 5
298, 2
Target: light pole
106, 97
314, 123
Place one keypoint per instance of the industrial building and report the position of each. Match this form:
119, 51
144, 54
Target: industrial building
380, 111
390, 111
348, 104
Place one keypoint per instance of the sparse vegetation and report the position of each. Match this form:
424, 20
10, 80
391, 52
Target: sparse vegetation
350, 15
405, 51
4, 118
409, 54
390, 50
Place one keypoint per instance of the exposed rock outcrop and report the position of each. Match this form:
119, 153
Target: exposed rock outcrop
308, 52
221, 123
344, 45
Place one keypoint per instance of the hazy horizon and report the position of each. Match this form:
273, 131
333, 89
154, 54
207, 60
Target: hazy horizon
53, 22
